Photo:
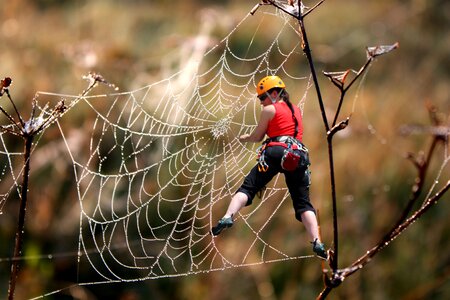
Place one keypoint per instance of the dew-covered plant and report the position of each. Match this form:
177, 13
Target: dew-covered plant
28, 130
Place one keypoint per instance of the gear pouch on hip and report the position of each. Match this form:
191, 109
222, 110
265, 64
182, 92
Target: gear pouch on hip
291, 159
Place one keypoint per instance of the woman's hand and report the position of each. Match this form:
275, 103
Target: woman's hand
244, 137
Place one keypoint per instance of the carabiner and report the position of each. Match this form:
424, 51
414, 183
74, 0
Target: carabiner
262, 166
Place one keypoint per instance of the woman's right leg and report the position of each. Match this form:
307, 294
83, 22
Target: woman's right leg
304, 211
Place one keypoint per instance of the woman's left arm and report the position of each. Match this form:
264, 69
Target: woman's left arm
258, 134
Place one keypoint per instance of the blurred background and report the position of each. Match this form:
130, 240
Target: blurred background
48, 45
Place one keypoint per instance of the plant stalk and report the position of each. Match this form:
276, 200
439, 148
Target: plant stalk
307, 51
21, 222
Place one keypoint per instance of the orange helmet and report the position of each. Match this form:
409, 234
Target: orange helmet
268, 83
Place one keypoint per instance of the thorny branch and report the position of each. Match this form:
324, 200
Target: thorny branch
403, 222
421, 164
28, 130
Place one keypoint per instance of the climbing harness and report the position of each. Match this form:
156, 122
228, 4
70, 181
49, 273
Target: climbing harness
295, 154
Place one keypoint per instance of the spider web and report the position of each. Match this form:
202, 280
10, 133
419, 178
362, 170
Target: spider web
160, 163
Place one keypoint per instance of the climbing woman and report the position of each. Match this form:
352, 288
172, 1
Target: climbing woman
282, 152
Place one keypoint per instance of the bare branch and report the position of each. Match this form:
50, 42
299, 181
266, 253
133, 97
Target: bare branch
15, 107
11, 119
338, 78
313, 8
342, 125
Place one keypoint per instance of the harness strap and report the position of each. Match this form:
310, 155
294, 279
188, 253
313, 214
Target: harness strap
286, 142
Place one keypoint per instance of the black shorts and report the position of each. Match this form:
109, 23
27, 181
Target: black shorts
297, 181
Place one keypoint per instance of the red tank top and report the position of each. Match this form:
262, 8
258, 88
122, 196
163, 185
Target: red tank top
283, 123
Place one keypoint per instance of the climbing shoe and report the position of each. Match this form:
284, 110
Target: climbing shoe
222, 224
319, 249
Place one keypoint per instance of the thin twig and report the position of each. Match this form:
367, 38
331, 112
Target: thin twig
15, 108
11, 119
312, 8
21, 221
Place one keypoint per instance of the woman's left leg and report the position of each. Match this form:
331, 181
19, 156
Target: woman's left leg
310, 221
